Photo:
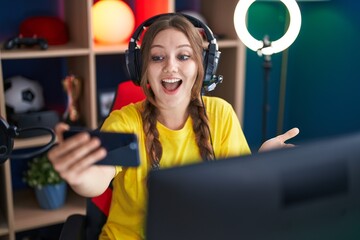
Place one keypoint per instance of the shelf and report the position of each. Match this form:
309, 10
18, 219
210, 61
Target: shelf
228, 43
23, 143
66, 50
29, 215
4, 229
110, 49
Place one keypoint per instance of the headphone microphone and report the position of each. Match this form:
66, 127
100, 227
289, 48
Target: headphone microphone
215, 80
9, 132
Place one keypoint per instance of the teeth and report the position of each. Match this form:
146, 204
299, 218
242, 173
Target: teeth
174, 80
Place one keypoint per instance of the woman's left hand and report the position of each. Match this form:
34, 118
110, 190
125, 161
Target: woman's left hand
279, 141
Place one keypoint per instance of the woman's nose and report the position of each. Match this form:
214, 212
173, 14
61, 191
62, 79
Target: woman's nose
171, 65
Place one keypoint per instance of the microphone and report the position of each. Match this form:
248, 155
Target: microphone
215, 80
9, 132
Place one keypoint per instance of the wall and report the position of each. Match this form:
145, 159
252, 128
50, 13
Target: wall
323, 81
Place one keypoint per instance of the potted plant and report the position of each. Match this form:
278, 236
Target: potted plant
50, 188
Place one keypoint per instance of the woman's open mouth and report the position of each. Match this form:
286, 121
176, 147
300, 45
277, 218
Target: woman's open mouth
171, 84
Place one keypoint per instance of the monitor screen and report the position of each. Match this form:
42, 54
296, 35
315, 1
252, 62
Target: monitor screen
308, 192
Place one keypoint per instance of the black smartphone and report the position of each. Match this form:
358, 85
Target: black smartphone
122, 148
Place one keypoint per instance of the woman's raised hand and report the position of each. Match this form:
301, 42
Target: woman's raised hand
74, 159
279, 141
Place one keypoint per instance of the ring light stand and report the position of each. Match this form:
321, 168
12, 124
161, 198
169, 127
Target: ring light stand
9, 132
266, 47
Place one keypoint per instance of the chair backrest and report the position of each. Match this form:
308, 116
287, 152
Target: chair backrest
97, 209
127, 92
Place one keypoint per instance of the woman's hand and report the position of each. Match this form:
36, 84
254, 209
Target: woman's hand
74, 159
279, 141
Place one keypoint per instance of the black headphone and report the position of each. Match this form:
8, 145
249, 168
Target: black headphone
210, 56
7, 135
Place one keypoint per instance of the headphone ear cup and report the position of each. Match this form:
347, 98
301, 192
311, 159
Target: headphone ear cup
211, 60
138, 67
207, 78
130, 65
133, 65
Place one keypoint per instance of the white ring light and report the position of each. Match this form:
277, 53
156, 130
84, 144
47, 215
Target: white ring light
275, 46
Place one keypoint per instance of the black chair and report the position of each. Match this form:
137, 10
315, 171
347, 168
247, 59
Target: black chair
88, 227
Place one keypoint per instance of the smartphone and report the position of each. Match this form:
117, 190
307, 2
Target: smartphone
122, 148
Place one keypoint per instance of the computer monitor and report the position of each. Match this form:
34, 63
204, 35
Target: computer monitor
307, 192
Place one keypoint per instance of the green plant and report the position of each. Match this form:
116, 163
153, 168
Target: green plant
41, 172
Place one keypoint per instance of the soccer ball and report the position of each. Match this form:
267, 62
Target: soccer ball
23, 95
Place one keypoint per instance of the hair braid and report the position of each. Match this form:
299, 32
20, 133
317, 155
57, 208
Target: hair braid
201, 129
152, 142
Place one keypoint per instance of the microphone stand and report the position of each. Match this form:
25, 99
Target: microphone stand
267, 65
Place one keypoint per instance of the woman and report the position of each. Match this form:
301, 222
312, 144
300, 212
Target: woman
175, 125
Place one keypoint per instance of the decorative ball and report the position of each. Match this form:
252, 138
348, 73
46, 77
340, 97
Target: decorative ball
23, 95
113, 21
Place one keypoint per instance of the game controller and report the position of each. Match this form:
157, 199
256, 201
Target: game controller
17, 42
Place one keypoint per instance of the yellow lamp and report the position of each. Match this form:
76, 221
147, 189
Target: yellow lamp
113, 21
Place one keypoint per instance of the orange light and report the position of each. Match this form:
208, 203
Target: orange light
113, 21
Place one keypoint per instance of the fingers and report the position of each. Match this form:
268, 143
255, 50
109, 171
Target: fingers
59, 129
289, 134
72, 170
76, 154
74, 148
288, 145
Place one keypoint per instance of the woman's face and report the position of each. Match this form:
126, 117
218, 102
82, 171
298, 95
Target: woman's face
172, 69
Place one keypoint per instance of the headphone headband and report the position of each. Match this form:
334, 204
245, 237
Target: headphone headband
210, 57
196, 22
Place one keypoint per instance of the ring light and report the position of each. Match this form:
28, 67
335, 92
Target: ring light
258, 45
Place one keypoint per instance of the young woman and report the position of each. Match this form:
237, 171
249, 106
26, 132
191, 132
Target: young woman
175, 125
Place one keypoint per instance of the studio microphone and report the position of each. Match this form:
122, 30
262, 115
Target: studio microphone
215, 80
9, 132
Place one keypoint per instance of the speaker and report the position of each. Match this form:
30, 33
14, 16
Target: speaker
211, 55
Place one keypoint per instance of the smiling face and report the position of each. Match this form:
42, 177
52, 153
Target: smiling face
171, 62
172, 69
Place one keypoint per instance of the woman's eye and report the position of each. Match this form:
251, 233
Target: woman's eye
157, 58
183, 57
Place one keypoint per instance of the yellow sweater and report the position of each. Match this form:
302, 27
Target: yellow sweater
128, 207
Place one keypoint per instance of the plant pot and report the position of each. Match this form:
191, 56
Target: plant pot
51, 196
